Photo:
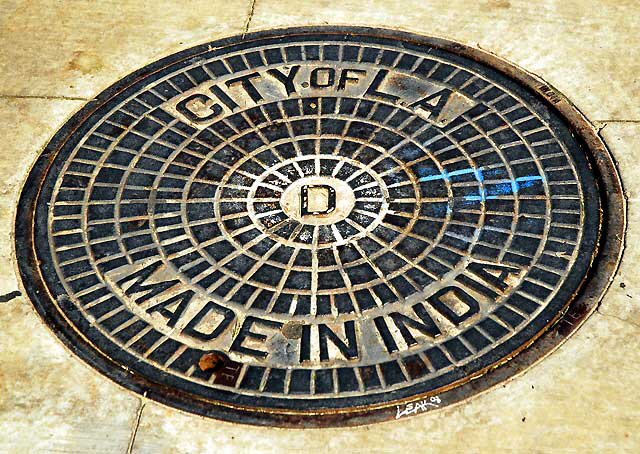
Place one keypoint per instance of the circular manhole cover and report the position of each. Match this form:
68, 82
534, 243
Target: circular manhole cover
318, 226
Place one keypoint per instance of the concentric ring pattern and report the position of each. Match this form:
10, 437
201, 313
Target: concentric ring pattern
164, 233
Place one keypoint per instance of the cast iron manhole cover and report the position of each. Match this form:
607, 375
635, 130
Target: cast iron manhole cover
318, 226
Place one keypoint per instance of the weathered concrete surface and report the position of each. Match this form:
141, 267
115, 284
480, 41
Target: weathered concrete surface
77, 48
583, 398
583, 48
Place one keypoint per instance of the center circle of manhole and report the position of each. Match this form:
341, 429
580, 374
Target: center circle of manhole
317, 200
316, 226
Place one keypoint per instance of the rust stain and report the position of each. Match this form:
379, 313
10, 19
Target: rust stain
211, 362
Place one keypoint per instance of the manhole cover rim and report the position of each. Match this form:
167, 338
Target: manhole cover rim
578, 308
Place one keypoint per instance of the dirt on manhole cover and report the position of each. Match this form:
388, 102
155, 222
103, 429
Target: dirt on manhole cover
319, 226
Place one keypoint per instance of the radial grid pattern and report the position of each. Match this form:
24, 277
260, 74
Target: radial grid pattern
495, 184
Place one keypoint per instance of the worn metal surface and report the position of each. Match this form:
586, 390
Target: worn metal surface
319, 226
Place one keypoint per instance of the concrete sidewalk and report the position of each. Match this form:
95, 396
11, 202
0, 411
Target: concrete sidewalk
55, 56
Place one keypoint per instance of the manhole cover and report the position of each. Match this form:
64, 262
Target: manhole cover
318, 226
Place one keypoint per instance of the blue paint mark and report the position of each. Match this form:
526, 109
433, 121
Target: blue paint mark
501, 189
525, 182
512, 187
478, 174
491, 190
447, 175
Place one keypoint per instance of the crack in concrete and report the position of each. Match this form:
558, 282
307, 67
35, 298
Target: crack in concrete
252, 8
10, 296
136, 425
58, 98
599, 125
617, 121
